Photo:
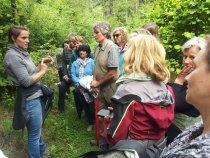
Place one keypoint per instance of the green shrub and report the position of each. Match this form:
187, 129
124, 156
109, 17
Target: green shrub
180, 20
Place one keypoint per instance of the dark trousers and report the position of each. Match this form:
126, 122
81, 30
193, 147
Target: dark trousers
63, 88
60, 73
172, 132
81, 104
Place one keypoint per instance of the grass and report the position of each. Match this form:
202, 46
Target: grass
64, 134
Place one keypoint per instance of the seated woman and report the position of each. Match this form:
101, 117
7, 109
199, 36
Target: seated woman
185, 114
195, 142
143, 104
83, 66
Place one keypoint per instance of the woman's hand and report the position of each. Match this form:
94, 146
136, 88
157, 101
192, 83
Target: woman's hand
186, 70
48, 59
43, 66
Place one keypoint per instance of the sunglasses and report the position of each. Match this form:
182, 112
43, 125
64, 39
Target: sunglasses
116, 35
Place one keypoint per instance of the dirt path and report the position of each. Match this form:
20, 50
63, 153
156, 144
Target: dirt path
10, 147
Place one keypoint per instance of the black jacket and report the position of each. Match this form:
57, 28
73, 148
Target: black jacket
181, 106
21, 116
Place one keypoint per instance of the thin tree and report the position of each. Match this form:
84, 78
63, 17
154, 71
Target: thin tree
14, 11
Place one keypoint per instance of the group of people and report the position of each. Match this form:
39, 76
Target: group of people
130, 77
77, 64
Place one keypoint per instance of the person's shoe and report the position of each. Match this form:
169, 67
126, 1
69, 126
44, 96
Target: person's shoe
46, 154
90, 128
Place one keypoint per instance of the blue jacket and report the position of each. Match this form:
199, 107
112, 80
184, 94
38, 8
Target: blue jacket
74, 57
122, 59
88, 71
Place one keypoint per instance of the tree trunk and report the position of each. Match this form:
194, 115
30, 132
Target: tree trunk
108, 7
14, 11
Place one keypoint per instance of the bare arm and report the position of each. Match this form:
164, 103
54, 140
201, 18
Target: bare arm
112, 72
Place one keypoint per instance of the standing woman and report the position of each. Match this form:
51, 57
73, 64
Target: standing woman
120, 37
26, 77
83, 67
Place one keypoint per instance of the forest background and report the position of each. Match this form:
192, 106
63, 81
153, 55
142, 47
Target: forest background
50, 22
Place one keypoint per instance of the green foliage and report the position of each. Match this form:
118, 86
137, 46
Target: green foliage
51, 21
64, 134
173, 65
131, 14
70, 131
7, 126
7, 97
180, 20
4, 81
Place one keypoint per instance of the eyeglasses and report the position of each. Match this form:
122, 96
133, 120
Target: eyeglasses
116, 35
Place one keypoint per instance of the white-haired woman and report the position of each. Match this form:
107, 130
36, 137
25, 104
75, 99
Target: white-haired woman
195, 142
185, 114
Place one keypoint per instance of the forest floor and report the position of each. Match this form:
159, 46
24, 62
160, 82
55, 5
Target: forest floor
64, 134
12, 148
11, 144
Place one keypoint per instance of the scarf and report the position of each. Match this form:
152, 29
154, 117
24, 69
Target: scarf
20, 50
125, 78
82, 63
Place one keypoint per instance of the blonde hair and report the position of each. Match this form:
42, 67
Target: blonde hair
79, 39
144, 55
123, 32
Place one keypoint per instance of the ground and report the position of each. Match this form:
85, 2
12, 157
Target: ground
64, 134
12, 148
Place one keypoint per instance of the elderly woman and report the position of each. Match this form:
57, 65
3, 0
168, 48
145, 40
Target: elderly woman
143, 104
26, 77
194, 142
120, 37
185, 114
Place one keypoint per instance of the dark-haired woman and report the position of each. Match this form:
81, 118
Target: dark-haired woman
26, 77
83, 67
